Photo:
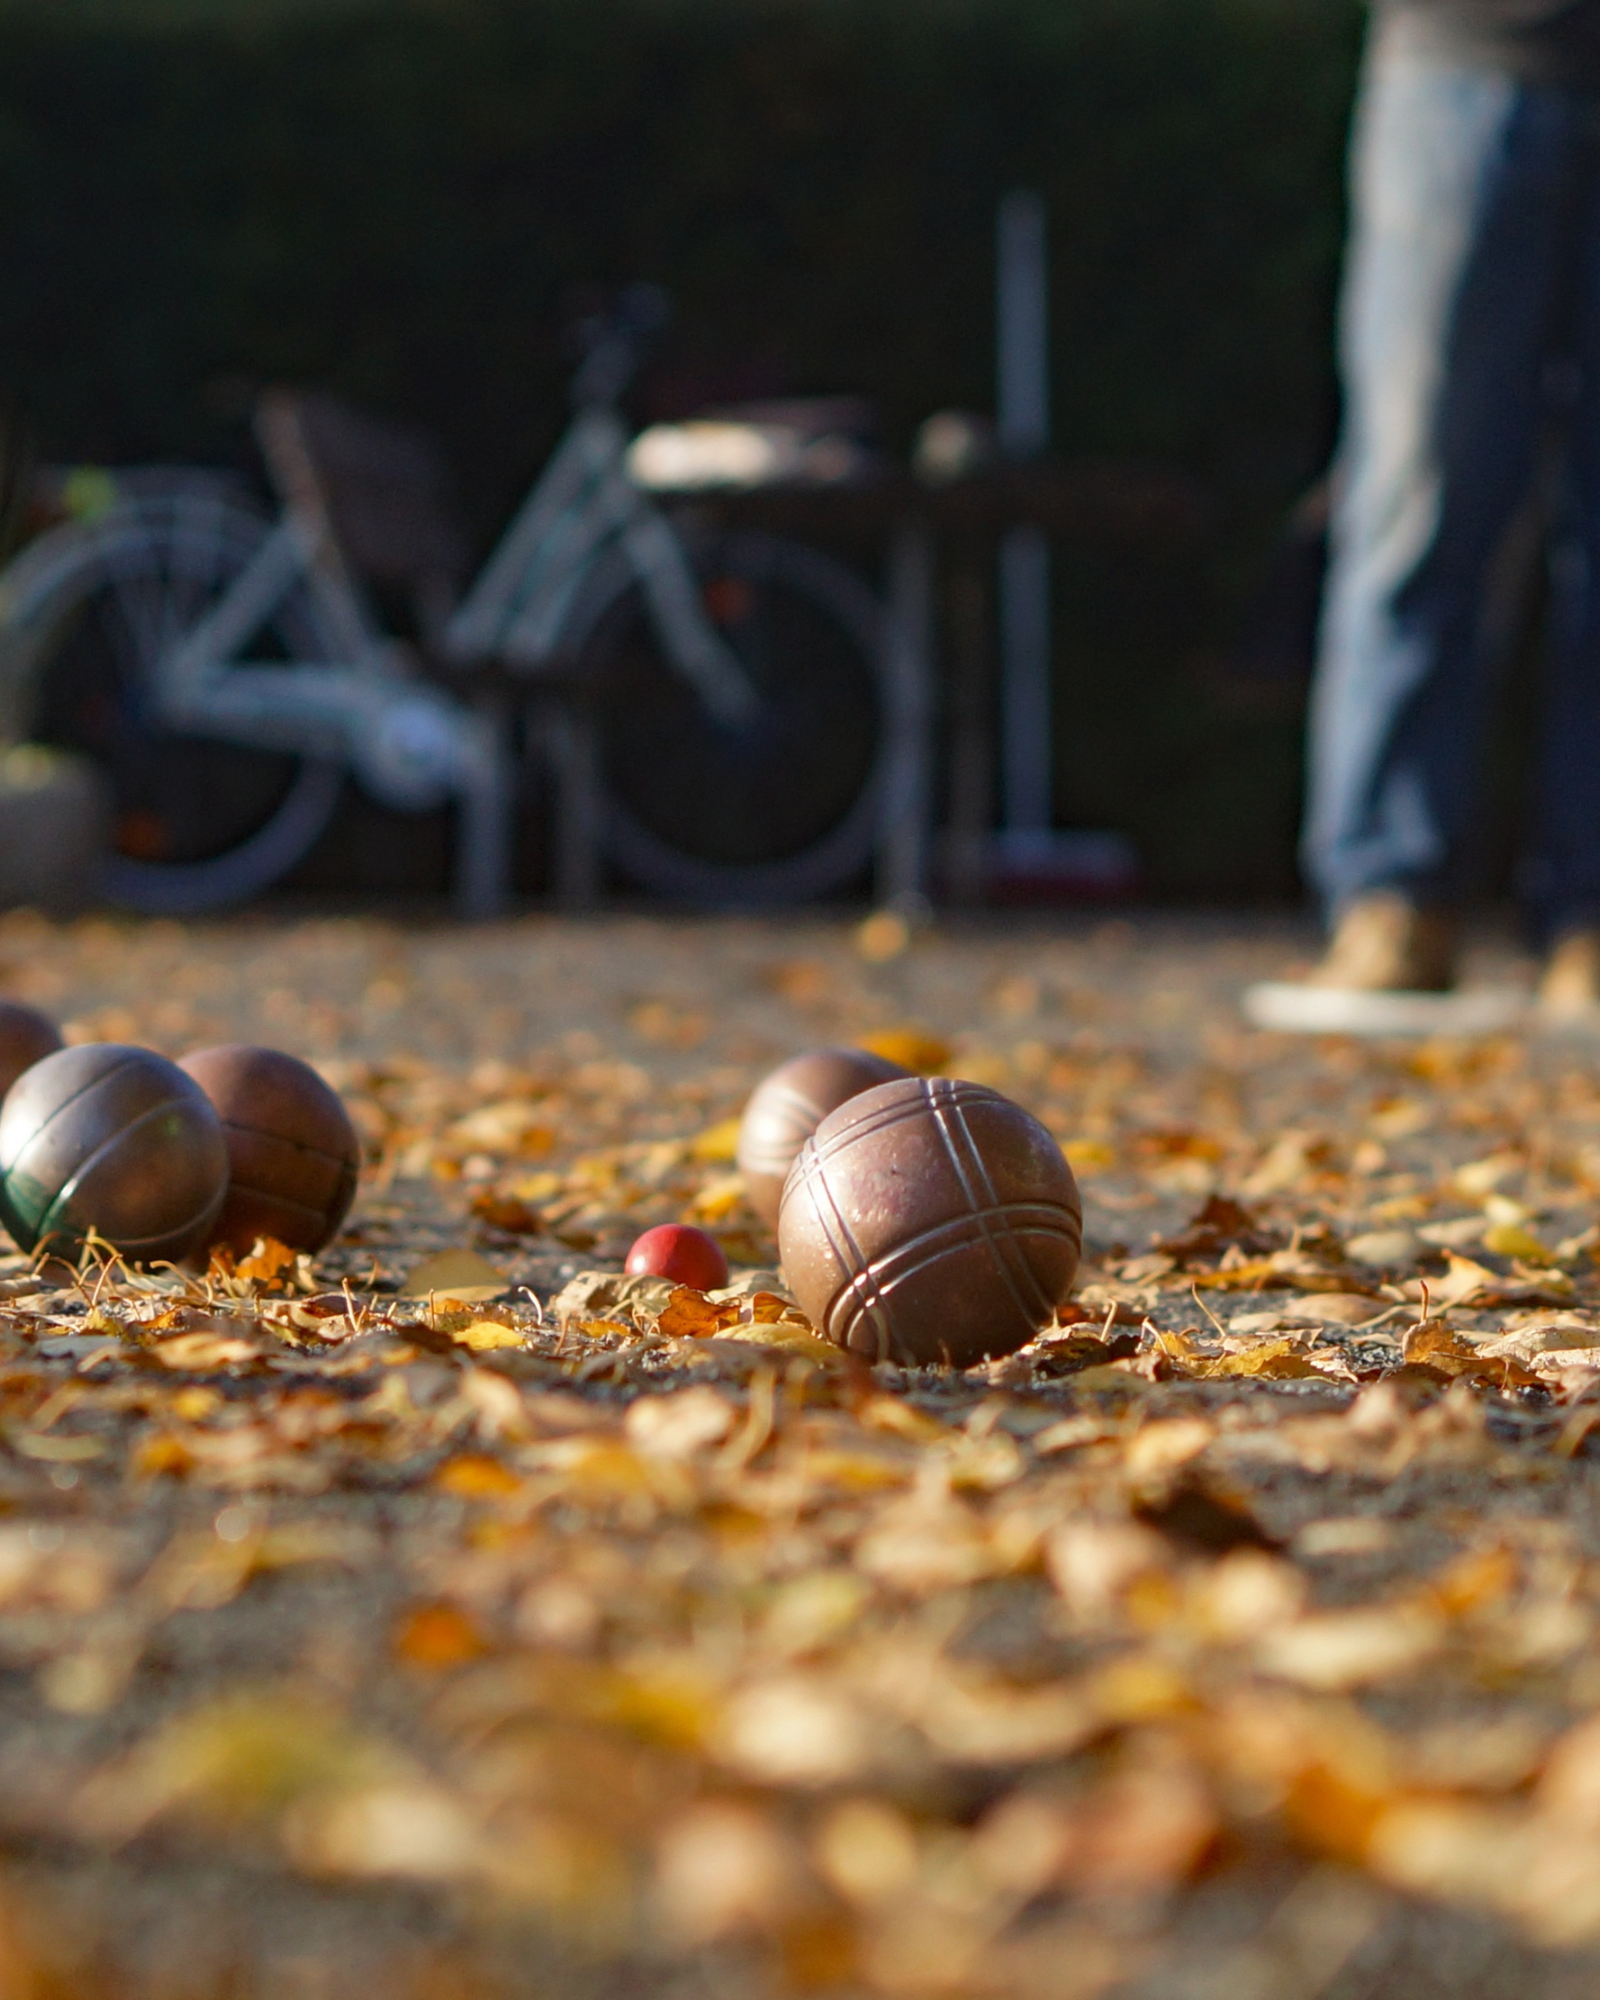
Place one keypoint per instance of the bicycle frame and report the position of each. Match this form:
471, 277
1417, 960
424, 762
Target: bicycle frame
515, 613
519, 607
333, 690
413, 743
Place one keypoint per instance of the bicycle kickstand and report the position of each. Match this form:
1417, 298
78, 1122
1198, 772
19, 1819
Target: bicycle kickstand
482, 886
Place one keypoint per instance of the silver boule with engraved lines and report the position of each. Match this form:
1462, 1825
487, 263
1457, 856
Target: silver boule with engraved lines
931, 1221
786, 1107
112, 1141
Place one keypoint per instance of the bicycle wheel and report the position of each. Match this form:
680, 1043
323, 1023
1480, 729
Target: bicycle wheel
778, 808
86, 615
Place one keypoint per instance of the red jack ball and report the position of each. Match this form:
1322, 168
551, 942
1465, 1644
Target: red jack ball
687, 1256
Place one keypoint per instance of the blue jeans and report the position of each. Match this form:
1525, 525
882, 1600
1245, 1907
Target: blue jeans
1470, 327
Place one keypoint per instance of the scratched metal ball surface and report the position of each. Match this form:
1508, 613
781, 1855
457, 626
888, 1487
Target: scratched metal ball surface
26, 1037
114, 1140
293, 1155
788, 1106
931, 1221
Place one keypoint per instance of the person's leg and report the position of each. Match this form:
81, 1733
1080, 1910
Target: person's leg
1562, 879
1461, 191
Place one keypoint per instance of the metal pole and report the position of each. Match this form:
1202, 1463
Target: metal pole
1026, 739
902, 858
1024, 325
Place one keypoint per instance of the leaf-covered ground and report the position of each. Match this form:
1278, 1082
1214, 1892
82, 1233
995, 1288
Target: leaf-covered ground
1237, 1639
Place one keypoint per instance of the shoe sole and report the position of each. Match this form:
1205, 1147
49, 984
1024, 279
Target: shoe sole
1289, 1009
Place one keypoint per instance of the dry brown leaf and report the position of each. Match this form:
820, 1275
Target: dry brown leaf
1463, 1280
1258, 1274
1220, 1225
690, 1315
1434, 1345
437, 1637
267, 1262
795, 1731
1270, 1361
509, 1213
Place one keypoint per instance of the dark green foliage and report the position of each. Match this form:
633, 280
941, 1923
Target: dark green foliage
392, 198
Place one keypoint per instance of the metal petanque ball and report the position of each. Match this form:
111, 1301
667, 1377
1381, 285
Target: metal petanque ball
26, 1037
294, 1158
787, 1107
114, 1140
931, 1221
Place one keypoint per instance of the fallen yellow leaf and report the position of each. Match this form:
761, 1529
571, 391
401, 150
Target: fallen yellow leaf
788, 1337
718, 1145
455, 1274
484, 1336
475, 1477
912, 1048
1510, 1239
719, 1198
1272, 1361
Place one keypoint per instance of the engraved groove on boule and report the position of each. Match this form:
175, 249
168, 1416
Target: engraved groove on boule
984, 1201
883, 1118
934, 1220
788, 1105
1043, 1224
849, 1256
768, 1155
939, 1096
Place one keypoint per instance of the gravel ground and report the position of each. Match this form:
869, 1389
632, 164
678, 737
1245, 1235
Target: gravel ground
1236, 1639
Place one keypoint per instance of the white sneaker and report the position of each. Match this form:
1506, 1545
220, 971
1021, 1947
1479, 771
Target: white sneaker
1388, 971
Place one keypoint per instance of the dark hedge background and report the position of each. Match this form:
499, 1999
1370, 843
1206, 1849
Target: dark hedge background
396, 199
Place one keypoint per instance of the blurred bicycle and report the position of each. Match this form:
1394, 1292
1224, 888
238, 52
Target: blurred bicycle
718, 713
